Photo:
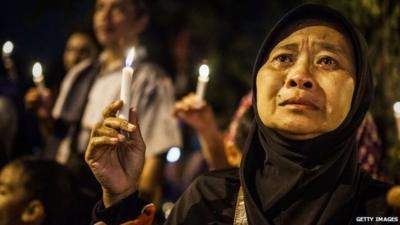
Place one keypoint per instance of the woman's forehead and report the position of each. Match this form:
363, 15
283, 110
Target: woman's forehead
329, 36
318, 36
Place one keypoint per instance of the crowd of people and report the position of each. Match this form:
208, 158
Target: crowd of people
301, 147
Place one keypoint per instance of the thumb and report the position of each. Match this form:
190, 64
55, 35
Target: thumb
133, 119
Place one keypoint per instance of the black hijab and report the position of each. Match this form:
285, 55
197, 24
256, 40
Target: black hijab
315, 181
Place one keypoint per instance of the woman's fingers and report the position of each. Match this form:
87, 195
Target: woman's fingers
133, 119
112, 109
119, 124
103, 140
136, 135
96, 142
189, 103
109, 132
179, 107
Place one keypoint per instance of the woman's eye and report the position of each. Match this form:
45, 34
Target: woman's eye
286, 59
327, 61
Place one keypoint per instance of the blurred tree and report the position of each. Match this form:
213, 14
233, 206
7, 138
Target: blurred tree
379, 21
225, 33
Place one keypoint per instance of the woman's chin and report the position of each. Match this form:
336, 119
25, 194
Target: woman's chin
298, 131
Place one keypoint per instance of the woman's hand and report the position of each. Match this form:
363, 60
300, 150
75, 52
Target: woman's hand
197, 115
115, 154
38, 102
201, 118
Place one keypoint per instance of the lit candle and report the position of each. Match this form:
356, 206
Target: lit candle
38, 77
126, 82
396, 109
8, 47
202, 81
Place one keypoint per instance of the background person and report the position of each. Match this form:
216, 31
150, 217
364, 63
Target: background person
118, 25
36, 192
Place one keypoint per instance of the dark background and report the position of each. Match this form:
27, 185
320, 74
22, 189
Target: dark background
225, 32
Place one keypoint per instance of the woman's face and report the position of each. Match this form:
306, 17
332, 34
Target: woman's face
306, 86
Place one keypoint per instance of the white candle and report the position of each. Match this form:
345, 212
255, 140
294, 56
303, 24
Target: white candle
126, 82
7, 50
202, 81
396, 109
8, 47
38, 77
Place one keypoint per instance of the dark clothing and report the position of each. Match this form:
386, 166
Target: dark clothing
68, 122
211, 199
316, 181
127, 209
295, 182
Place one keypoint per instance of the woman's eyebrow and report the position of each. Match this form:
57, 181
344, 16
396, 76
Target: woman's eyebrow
330, 47
290, 47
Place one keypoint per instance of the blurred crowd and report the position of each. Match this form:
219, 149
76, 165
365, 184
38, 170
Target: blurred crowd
45, 130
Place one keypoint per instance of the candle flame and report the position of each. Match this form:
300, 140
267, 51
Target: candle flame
396, 108
37, 70
8, 47
131, 57
204, 71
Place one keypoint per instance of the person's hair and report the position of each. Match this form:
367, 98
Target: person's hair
51, 184
91, 49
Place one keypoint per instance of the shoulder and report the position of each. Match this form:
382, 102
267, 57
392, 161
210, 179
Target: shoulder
80, 67
151, 70
209, 199
153, 73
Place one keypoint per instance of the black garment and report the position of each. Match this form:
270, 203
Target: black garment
315, 181
211, 199
309, 182
127, 209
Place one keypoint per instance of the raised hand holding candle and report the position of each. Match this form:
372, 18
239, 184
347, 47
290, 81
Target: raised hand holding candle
126, 80
7, 49
396, 109
38, 77
202, 81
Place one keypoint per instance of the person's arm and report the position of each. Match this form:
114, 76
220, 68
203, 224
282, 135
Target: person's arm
201, 118
115, 154
131, 210
40, 104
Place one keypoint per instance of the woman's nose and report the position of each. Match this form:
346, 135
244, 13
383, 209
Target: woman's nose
301, 76
301, 82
